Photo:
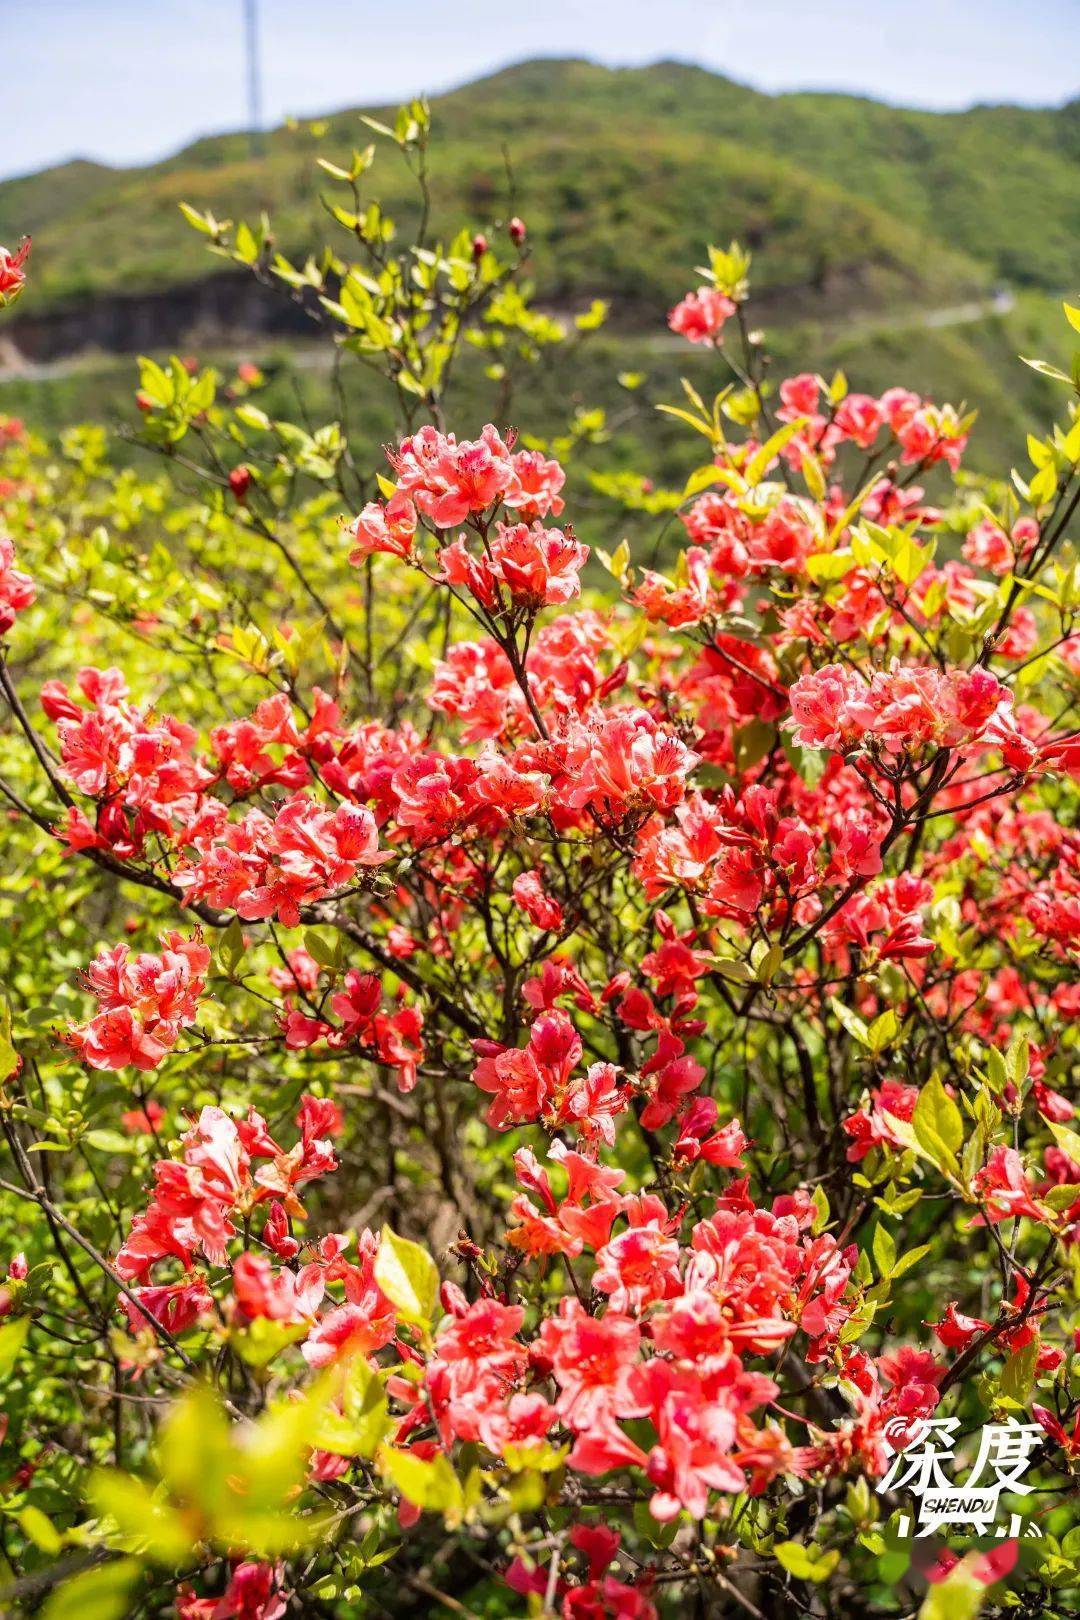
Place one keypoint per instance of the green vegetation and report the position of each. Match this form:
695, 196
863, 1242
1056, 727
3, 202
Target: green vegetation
858, 200
517, 1070
849, 252
976, 362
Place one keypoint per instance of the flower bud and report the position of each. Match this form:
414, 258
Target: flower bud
452, 1299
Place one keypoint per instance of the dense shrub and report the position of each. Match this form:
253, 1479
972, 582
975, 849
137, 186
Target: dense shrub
520, 1095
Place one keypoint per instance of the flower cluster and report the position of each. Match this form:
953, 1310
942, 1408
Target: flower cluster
17, 590
355, 1017
271, 865
145, 1001
228, 1169
835, 707
700, 316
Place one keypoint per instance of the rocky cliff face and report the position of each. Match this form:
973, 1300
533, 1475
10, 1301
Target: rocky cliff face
223, 308
231, 308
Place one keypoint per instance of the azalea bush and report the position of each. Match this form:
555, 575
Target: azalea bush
531, 1072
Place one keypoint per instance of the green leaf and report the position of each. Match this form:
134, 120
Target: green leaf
758, 464
200, 222
194, 1444
701, 478
9, 1058
820, 1201
884, 1249
618, 562
1018, 1374
766, 961
796, 1559
106, 1141
1061, 1197
97, 1594
909, 560
325, 950
1068, 1141
883, 1031
732, 968
247, 247
814, 475
38, 1529
851, 1021
1017, 1061
825, 566
995, 1069
354, 1423
231, 947
695, 422
408, 1277
252, 417
1045, 369
752, 742
145, 1524
155, 382
1043, 485
911, 1258
263, 1339
12, 1338
938, 1125
432, 1485
592, 318
537, 1456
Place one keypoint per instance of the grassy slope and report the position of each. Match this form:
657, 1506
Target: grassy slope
885, 202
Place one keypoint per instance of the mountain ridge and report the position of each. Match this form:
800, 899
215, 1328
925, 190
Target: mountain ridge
496, 74
624, 175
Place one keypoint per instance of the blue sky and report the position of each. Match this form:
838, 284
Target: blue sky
127, 81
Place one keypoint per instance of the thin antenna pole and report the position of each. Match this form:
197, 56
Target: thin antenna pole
251, 39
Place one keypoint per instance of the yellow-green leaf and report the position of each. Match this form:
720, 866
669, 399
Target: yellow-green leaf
12, 1338
431, 1485
797, 1560
407, 1275
938, 1125
100, 1593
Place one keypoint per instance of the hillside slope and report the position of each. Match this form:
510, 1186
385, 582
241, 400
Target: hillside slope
624, 176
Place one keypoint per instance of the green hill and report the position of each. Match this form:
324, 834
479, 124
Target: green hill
879, 236
624, 176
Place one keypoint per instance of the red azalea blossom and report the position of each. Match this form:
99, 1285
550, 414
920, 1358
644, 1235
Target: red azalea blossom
601, 1051
12, 272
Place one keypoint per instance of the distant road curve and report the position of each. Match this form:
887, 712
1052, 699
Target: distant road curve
14, 365
1000, 303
